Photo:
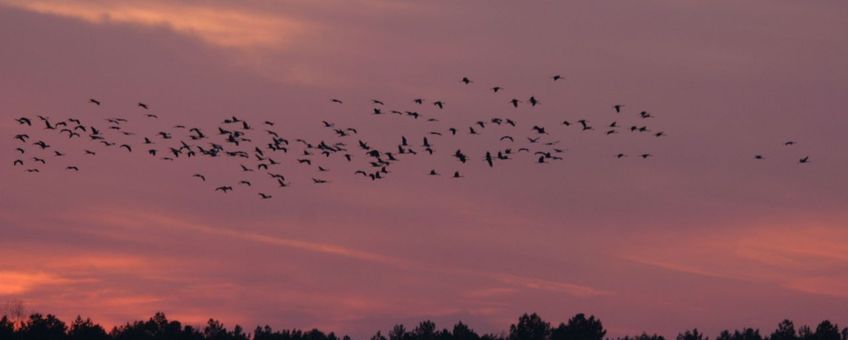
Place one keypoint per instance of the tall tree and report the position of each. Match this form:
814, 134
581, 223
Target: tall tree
530, 327
461, 331
827, 331
86, 330
693, 334
43, 328
580, 328
785, 331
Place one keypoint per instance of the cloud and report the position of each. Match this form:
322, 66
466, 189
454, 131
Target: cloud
19, 282
220, 26
801, 256
554, 286
147, 219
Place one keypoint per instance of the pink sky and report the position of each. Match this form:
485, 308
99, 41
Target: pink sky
699, 236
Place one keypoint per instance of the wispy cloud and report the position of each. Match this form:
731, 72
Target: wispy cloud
140, 218
805, 258
227, 27
19, 282
554, 286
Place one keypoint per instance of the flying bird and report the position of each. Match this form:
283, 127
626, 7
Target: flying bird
617, 107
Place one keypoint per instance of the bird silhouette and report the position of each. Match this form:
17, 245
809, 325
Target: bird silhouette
617, 107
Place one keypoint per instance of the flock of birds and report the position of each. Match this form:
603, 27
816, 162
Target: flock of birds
260, 149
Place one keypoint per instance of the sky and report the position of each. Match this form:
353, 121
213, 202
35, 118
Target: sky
700, 235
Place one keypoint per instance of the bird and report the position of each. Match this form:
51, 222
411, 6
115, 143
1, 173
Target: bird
804, 160
617, 107
24, 121
94, 101
495, 89
142, 105
515, 102
18, 162
73, 168
788, 143
758, 156
533, 101
439, 104
335, 100
319, 181
264, 196
456, 174
202, 178
466, 80
225, 189
126, 146
556, 77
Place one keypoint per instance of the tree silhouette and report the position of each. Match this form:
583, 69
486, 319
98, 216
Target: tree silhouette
643, 336
530, 327
580, 328
7, 328
745, 334
785, 331
378, 336
694, 334
43, 327
426, 330
86, 330
826, 331
461, 331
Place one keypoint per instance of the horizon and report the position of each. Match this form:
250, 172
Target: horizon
734, 218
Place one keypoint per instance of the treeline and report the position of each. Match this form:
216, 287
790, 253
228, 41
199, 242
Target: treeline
528, 327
